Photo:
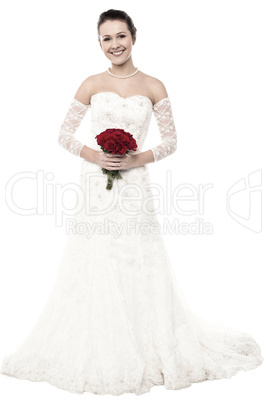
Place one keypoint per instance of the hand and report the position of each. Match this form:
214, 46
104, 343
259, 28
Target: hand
112, 161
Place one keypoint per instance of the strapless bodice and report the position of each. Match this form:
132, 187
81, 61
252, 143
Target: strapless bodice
110, 110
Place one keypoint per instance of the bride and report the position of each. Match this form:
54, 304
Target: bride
116, 321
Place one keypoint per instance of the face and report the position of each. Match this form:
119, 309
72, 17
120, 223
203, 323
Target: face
116, 41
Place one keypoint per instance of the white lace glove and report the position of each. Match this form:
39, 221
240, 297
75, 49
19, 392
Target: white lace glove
163, 113
74, 116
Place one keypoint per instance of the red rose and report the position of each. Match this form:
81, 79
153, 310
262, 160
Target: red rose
115, 141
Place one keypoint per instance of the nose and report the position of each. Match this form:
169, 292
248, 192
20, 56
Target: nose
115, 44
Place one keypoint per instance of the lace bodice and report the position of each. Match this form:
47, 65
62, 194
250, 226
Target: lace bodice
133, 114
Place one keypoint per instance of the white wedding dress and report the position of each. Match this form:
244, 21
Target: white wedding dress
116, 321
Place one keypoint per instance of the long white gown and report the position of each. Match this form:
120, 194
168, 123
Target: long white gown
116, 320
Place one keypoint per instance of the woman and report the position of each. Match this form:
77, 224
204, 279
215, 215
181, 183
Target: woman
116, 320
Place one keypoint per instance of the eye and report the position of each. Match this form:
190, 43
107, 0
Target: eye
120, 36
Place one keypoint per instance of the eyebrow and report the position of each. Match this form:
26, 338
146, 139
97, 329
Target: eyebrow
117, 33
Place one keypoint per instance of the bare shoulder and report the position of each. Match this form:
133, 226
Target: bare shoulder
156, 87
87, 88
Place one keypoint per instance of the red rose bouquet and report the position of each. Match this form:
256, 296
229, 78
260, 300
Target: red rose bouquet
115, 141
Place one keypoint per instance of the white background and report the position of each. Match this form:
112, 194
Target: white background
211, 56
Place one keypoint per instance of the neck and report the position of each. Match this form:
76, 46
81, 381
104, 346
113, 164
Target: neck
124, 69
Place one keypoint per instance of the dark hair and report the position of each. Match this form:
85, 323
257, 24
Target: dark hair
116, 15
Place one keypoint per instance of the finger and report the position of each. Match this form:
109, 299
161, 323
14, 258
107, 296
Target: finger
114, 155
113, 164
114, 159
113, 167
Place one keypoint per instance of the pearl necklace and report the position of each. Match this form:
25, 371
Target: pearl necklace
125, 76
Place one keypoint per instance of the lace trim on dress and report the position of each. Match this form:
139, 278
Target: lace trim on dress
72, 121
163, 113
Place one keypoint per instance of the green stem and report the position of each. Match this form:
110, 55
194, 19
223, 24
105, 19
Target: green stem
111, 175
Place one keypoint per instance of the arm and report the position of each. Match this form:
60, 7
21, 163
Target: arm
69, 127
72, 121
168, 145
76, 112
163, 113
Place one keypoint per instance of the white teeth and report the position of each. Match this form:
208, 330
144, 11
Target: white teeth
117, 52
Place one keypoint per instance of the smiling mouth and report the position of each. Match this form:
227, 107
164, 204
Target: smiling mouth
117, 53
